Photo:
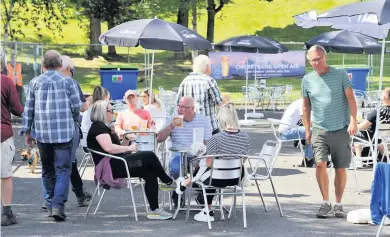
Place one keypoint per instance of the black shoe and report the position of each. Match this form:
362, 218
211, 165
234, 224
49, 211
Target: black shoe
87, 195
58, 214
175, 200
199, 199
310, 163
82, 198
8, 219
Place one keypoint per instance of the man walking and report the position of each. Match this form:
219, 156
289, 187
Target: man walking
327, 92
203, 88
52, 104
10, 103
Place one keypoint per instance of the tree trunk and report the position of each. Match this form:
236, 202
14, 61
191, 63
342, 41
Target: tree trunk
210, 20
183, 13
94, 32
111, 49
8, 14
194, 16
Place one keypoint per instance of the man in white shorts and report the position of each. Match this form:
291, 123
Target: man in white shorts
10, 103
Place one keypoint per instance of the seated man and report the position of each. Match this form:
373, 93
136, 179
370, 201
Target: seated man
293, 117
183, 136
369, 124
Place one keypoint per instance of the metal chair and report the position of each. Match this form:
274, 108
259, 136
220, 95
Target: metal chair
129, 180
278, 122
266, 159
287, 94
224, 167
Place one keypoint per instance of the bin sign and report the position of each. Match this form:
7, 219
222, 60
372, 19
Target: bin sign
350, 76
117, 78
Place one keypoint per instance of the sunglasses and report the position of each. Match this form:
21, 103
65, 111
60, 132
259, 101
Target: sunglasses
71, 71
110, 111
316, 60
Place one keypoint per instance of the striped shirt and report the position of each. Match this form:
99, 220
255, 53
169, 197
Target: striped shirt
229, 143
183, 137
52, 103
204, 90
328, 100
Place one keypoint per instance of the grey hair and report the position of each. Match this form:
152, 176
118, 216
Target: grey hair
201, 63
99, 111
227, 117
52, 60
188, 98
316, 47
66, 62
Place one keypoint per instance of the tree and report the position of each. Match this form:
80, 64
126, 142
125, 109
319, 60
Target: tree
18, 14
183, 12
212, 10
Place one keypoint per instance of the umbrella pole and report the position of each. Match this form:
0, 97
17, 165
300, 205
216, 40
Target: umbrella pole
343, 59
254, 107
246, 93
379, 104
151, 80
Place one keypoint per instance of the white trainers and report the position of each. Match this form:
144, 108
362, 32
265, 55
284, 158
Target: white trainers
179, 189
159, 214
202, 216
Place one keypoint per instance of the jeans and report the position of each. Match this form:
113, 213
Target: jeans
295, 133
56, 169
174, 168
75, 179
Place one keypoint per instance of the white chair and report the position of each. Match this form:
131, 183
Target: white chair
87, 158
384, 135
266, 160
287, 94
223, 167
366, 159
278, 122
277, 96
129, 181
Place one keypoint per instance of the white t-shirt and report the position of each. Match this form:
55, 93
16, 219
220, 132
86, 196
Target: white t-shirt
292, 115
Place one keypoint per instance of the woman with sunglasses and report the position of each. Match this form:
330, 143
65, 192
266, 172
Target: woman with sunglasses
144, 164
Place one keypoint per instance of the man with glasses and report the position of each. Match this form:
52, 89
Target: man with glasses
182, 137
327, 92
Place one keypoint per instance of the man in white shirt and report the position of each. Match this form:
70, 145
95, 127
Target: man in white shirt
293, 117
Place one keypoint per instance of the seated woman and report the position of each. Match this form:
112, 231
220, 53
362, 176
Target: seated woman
99, 93
133, 117
369, 124
156, 108
231, 140
141, 164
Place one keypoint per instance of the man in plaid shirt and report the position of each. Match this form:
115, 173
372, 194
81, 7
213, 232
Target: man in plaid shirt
52, 104
203, 88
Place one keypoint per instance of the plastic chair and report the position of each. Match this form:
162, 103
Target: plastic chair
129, 180
266, 159
278, 122
223, 166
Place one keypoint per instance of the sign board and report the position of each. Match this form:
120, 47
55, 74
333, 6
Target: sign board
228, 65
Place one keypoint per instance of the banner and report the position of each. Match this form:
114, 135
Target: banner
229, 65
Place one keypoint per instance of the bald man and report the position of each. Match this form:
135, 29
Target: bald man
52, 103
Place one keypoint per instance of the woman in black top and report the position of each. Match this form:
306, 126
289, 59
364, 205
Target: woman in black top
143, 164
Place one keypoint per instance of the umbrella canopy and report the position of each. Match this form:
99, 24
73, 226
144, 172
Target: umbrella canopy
370, 18
374, 11
251, 44
154, 34
346, 42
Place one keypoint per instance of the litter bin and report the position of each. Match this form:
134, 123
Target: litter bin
358, 75
118, 80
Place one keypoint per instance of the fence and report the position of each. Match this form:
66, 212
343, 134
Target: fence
170, 67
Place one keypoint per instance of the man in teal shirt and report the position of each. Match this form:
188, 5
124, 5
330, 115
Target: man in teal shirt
328, 92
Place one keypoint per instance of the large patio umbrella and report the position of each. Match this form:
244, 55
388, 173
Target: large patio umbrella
343, 41
371, 18
154, 34
250, 44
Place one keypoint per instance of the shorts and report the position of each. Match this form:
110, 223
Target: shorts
337, 144
7, 156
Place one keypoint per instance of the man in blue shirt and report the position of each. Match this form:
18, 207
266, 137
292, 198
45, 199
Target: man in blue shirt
52, 103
